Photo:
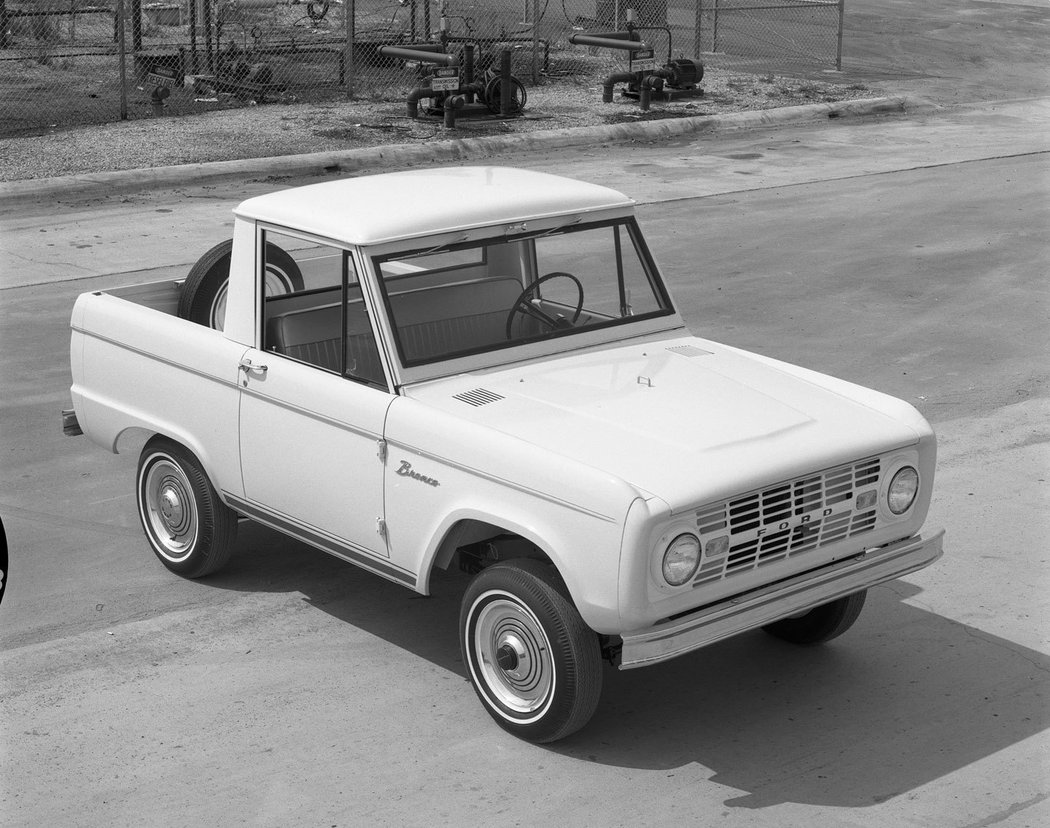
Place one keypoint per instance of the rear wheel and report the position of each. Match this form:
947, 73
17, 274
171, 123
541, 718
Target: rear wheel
822, 623
187, 526
534, 663
203, 296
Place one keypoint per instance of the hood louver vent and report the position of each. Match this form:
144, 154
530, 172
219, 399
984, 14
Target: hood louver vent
478, 397
689, 351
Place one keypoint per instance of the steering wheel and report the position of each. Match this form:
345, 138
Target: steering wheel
524, 305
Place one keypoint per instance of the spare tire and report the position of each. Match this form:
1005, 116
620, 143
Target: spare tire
203, 296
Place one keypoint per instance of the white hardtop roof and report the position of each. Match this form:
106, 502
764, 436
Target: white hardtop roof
382, 208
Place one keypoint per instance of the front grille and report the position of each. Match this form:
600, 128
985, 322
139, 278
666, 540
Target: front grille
787, 519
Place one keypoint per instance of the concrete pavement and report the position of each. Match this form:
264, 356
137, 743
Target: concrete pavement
375, 159
295, 689
139, 231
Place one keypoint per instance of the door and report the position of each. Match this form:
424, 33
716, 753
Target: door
313, 404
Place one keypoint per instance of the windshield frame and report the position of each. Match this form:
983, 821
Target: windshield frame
663, 318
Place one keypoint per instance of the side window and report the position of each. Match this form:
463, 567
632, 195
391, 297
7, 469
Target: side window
304, 315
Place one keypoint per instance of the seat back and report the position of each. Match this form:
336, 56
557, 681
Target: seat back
456, 318
313, 335
431, 322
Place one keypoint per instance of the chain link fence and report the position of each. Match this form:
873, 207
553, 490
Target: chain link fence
782, 34
74, 62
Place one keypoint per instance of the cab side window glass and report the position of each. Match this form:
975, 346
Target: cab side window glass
303, 309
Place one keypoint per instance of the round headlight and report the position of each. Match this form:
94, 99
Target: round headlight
903, 488
681, 559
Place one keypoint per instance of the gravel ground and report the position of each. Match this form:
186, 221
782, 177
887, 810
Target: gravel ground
289, 129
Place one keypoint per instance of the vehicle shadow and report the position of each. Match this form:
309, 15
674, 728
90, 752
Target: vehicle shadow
267, 561
904, 698
907, 696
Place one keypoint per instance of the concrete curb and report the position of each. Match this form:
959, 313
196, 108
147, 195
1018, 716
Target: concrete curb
374, 158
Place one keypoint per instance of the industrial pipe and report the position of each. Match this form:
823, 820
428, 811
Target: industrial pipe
505, 90
449, 100
581, 39
413, 99
420, 55
630, 34
650, 83
160, 94
612, 80
468, 70
451, 104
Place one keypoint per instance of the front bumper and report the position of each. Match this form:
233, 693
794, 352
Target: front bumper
794, 595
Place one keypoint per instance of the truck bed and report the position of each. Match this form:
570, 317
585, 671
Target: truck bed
162, 296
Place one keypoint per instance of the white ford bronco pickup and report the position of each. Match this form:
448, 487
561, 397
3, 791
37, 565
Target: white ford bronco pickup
483, 368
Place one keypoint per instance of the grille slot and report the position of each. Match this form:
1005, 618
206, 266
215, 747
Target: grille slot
786, 520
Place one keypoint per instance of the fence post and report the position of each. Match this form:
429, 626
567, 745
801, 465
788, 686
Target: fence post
714, 30
838, 50
209, 53
193, 36
3, 24
122, 61
136, 25
350, 13
535, 42
698, 44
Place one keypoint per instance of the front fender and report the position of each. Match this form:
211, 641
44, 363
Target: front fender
442, 470
586, 557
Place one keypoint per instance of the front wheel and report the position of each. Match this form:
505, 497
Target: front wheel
534, 663
822, 623
187, 526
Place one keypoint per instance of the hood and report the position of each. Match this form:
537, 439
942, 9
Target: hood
686, 420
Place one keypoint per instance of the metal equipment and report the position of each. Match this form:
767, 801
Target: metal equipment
675, 79
452, 87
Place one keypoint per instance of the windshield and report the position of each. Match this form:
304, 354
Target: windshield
470, 298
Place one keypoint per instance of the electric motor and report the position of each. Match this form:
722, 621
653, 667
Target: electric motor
685, 73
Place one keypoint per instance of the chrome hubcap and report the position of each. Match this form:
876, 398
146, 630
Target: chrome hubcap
514, 655
169, 509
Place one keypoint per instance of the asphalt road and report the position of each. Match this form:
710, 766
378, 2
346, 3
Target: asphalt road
292, 689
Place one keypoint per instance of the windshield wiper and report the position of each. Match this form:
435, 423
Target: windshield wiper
441, 248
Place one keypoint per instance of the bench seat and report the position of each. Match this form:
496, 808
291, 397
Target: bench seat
431, 322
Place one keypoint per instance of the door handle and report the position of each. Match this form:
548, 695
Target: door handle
248, 366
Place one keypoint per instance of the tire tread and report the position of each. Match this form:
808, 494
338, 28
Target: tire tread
535, 583
217, 522
821, 624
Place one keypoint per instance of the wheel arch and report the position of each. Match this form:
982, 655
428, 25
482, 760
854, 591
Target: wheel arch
596, 602
134, 438
470, 526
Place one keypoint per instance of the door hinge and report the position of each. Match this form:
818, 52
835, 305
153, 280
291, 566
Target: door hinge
381, 451
381, 527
